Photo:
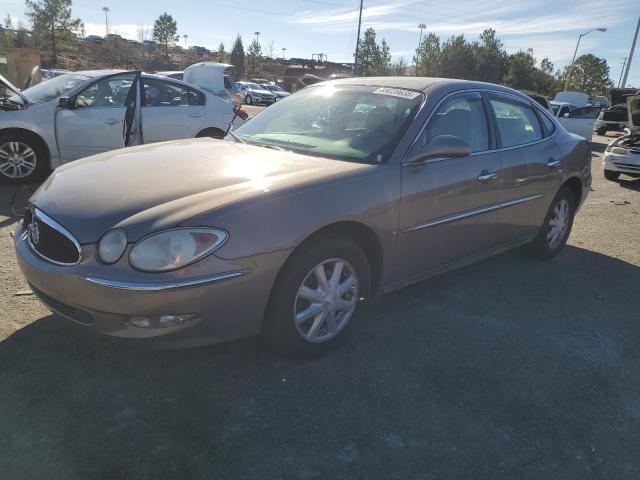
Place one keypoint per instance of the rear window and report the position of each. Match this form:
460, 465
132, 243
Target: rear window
517, 123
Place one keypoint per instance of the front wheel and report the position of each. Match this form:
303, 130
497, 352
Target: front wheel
249, 100
22, 160
611, 175
557, 225
601, 131
316, 296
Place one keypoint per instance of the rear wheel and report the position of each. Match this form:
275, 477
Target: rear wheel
22, 160
557, 225
249, 100
611, 175
316, 296
601, 131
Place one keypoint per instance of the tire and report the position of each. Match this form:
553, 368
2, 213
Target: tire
282, 331
546, 245
611, 175
601, 131
18, 147
249, 100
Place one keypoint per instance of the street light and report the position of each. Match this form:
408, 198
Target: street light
106, 20
257, 34
566, 81
283, 50
185, 39
422, 26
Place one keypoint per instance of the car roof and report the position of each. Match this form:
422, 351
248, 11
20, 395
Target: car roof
555, 102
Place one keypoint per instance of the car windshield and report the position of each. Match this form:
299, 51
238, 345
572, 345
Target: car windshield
51, 89
274, 88
355, 123
254, 86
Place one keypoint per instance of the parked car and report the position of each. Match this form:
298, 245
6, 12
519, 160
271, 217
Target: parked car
623, 154
578, 120
256, 93
83, 113
348, 188
278, 92
150, 45
260, 81
212, 76
612, 119
94, 39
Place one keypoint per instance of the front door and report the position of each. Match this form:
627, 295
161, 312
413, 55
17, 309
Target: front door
99, 118
171, 111
449, 205
581, 120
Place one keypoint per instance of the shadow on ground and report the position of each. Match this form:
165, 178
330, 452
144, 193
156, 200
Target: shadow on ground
510, 368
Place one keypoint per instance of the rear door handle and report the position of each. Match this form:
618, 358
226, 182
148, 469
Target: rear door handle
553, 163
111, 121
486, 176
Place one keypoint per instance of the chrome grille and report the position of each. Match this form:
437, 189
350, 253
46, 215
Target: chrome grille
50, 240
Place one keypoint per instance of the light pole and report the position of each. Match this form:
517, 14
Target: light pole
257, 34
283, 50
106, 20
566, 81
185, 39
422, 26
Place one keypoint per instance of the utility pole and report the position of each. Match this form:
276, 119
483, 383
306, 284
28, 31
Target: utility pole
633, 47
106, 20
355, 60
624, 62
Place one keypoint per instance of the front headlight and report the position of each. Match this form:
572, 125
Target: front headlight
173, 249
112, 245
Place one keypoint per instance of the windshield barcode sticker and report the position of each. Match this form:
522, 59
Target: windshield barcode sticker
397, 92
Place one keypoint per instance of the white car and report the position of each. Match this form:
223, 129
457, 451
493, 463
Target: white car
578, 120
84, 113
623, 154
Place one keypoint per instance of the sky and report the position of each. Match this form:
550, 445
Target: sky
549, 27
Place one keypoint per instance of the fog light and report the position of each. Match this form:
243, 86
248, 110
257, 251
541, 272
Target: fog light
163, 321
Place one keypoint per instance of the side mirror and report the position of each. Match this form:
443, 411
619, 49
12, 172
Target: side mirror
442, 146
65, 103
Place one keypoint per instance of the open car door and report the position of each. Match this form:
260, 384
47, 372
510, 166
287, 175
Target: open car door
581, 120
103, 116
633, 104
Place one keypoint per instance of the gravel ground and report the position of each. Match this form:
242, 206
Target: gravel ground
509, 368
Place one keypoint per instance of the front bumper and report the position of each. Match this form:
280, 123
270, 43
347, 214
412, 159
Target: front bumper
229, 296
629, 163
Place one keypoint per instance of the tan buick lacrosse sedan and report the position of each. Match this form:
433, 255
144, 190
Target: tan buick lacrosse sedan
345, 189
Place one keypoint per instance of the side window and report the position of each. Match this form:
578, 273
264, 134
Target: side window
158, 93
564, 110
462, 116
110, 92
517, 122
590, 113
196, 97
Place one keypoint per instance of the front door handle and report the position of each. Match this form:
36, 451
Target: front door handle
553, 163
486, 176
111, 121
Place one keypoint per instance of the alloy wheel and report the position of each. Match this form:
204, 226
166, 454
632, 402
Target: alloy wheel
558, 224
17, 160
326, 300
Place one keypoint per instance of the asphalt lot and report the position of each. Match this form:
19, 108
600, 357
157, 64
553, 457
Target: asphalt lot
510, 368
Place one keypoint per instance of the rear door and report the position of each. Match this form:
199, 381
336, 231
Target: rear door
531, 168
101, 117
170, 110
449, 205
581, 120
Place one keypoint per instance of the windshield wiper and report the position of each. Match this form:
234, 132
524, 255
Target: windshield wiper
236, 137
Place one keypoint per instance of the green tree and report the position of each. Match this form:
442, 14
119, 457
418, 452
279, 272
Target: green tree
367, 53
545, 79
428, 57
222, 55
254, 58
458, 59
399, 68
589, 74
382, 60
165, 31
522, 72
7, 35
52, 23
491, 59
237, 56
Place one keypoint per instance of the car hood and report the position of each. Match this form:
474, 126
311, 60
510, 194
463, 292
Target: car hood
151, 187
